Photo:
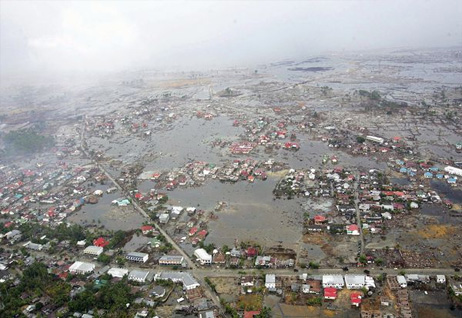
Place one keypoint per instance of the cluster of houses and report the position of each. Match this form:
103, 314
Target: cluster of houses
60, 188
423, 170
327, 286
378, 202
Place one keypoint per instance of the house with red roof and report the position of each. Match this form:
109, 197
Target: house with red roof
355, 299
319, 219
146, 229
192, 231
330, 293
251, 252
251, 314
101, 242
352, 229
202, 234
8, 224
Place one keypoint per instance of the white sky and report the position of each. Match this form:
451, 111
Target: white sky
110, 35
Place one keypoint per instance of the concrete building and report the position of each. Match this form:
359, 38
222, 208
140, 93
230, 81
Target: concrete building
81, 268
138, 276
401, 281
117, 272
441, 279
188, 281
203, 257
164, 218
172, 260
355, 281
335, 281
33, 246
270, 281
375, 139
93, 250
453, 170
137, 257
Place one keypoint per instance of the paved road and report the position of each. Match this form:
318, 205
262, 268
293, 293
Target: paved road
214, 272
134, 202
358, 214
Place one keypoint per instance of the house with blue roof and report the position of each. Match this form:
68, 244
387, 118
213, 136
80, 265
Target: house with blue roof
403, 170
428, 175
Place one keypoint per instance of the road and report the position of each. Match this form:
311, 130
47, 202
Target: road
215, 272
358, 214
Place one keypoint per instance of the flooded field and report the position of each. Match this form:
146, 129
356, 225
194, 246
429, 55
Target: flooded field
251, 213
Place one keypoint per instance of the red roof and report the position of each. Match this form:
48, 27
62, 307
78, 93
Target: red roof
101, 242
319, 218
8, 224
355, 298
330, 292
138, 195
251, 251
251, 314
145, 228
352, 227
193, 231
202, 233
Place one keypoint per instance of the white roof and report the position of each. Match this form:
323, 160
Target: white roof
117, 272
93, 249
138, 274
355, 279
440, 277
82, 266
202, 254
270, 278
332, 279
401, 279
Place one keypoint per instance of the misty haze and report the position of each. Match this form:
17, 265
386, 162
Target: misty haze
230, 159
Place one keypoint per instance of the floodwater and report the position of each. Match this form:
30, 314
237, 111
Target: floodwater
447, 191
103, 213
251, 212
440, 213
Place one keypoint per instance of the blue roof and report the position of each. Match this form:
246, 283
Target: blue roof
440, 176
428, 175
403, 170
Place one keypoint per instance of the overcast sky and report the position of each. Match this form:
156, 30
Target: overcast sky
109, 35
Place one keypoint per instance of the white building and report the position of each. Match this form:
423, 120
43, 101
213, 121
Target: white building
81, 268
370, 283
138, 276
93, 250
188, 281
335, 281
270, 281
306, 288
441, 279
33, 246
375, 139
117, 272
401, 281
137, 257
355, 281
453, 170
202, 256
164, 218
